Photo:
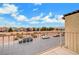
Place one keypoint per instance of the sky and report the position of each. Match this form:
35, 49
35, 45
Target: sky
35, 14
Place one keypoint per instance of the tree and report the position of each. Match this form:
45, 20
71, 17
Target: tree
10, 30
50, 28
38, 29
34, 29
43, 29
29, 29
57, 29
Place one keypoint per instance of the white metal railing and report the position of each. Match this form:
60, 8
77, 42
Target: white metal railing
9, 39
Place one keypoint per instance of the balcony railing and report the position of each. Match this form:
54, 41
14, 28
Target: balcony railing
13, 43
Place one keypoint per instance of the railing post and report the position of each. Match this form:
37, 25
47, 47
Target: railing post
3, 41
39, 35
60, 41
8, 40
13, 39
76, 41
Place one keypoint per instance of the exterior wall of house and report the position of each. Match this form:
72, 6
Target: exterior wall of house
3, 29
72, 32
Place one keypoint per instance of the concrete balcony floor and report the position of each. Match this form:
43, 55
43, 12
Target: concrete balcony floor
58, 51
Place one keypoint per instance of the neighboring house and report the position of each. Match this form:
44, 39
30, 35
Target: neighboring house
29, 29
3, 29
15, 29
72, 30
21, 29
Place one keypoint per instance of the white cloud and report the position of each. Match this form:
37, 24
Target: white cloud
14, 15
37, 3
8, 9
57, 18
1, 19
10, 24
35, 18
20, 17
35, 9
39, 17
6, 23
47, 19
41, 14
13, 11
50, 14
34, 22
60, 18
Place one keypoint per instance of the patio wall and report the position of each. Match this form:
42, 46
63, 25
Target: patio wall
72, 32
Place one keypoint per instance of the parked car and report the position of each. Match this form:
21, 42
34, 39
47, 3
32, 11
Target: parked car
57, 35
15, 39
45, 37
29, 39
24, 40
34, 36
20, 42
63, 34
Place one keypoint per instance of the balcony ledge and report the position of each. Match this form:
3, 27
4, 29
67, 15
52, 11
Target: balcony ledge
58, 51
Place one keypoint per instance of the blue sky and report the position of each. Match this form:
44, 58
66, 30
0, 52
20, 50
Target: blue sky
35, 14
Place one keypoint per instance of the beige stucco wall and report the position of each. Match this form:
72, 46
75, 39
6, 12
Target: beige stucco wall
72, 32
